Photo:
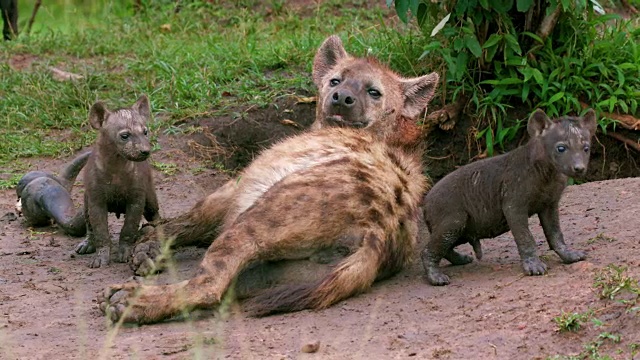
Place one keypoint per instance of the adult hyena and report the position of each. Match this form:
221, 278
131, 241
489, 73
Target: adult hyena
352, 185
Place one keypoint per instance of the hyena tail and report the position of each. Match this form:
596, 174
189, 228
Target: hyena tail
71, 170
351, 276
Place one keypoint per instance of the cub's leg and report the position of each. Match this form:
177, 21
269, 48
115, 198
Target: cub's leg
550, 221
133, 215
518, 221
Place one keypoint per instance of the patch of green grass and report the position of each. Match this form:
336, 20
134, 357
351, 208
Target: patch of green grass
612, 282
208, 57
571, 322
601, 237
165, 168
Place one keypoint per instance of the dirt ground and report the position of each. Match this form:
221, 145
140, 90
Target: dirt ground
490, 311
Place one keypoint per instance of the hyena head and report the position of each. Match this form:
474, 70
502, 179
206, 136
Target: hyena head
362, 93
566, 142
124, 129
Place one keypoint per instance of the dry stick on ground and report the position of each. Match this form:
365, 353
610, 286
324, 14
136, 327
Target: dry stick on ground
36, 6
634, 145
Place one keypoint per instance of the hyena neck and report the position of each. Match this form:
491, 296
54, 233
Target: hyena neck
406, 136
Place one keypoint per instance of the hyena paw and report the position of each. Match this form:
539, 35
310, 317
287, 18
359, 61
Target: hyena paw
85, 247
101, 258
147, 258
437, 277
570, 256
124, 253
534, 266
116, 299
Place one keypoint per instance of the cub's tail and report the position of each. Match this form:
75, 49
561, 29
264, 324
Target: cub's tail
71, 170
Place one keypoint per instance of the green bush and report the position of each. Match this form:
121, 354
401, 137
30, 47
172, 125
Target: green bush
529, 53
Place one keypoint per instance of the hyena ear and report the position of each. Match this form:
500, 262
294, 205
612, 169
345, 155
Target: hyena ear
98, 114
417, 93
330, 52
538, 121
589, 121
142, 106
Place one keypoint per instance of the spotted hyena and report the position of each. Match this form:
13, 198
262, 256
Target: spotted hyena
350, 187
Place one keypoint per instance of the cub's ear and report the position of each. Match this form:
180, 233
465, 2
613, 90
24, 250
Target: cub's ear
98, 114
538, 122
589, 121
142, 106
417, 93
330, 52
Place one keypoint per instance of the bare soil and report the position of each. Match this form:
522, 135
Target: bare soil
490, 311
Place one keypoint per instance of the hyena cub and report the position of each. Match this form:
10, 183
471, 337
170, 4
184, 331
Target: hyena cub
353, 189
118, 179
488, 197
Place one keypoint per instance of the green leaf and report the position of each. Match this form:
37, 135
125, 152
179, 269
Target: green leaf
506, 81
556, 97
402, 7
473, 45
612, 103
492, 40
537, 75
525, 91
389, 3
413, 6
484, 4
533, 36
440, 25
422, 14
513, 43
524, 5
489, 141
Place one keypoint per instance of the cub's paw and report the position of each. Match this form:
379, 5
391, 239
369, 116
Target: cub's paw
124, 253
570, 256
86, 246
101, 258
534, 266
437, 277
147, 258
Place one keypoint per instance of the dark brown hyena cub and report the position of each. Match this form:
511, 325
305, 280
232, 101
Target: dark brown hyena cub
487, 198
118, 179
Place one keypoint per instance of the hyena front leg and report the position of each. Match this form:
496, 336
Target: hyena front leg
197, 226
142, 304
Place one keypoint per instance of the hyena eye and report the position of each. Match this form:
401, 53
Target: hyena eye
124, 136
334, 82
586, 148
145, 132
561, 148
374, 93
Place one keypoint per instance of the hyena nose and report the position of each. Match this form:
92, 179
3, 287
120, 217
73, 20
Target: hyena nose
145, 152
344, 98
579, 169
